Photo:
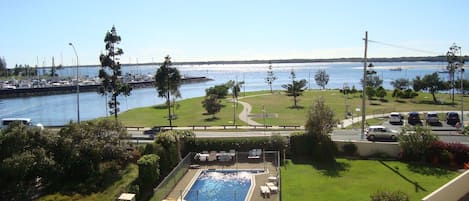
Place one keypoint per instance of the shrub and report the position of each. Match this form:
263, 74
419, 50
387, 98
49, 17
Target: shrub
350, 148
148, 171
389, 196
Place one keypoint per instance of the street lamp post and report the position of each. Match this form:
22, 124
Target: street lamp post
78, 85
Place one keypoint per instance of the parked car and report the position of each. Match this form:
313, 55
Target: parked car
432, 118
395, 118
380, 132
413, 118
452, 118
25, 121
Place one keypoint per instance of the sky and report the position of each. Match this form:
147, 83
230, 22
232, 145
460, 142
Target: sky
34, 31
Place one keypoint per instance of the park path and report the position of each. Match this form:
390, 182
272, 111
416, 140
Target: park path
245, 115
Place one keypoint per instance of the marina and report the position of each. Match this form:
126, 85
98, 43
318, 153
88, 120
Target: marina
59, 109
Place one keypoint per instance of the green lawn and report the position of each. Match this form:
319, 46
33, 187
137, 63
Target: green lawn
357, 179
190, 111
280, 104
110, 193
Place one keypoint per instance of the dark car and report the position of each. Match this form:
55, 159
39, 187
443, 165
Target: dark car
153, 131
452, 118
413, 118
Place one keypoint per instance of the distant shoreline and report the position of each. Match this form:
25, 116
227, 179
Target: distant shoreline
274, 61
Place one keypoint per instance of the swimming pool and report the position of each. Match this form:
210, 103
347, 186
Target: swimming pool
222, 185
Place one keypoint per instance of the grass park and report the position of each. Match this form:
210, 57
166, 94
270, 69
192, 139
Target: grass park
190, 111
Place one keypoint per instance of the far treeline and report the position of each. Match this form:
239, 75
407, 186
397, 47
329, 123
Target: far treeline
441, 58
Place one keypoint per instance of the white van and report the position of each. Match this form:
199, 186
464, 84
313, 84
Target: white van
26, 121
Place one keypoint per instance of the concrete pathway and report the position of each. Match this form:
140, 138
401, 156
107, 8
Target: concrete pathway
244, 115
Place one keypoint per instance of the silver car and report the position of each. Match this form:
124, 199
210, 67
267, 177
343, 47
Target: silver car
380, 132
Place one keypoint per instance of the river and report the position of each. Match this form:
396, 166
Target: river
60, 109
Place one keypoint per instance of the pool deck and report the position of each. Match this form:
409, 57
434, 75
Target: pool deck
260, 179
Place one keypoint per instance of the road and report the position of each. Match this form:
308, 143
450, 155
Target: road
338, 134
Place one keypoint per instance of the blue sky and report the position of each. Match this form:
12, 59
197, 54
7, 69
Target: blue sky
207, 30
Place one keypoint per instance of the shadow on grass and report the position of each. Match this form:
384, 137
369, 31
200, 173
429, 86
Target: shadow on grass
396, 170
211, 119
160, 107
400, 101
430, 102
298, 107
331, 168
426, 170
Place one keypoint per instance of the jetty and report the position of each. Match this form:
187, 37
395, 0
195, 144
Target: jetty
45, 88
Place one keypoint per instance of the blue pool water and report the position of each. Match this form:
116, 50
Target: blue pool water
221, 185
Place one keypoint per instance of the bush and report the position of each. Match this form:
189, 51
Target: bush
389, 196
148, 171
350, 149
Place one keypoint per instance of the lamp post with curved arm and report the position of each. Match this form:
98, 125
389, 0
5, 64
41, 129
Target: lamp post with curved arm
78, 85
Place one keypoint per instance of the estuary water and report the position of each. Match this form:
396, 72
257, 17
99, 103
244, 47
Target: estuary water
60, 109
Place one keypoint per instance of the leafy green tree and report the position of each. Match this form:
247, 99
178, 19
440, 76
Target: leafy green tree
415, 144
370, 92
148, 172
431, 83
212, 104
220, 91
319, 124
111, 73
25, 154
397, 93
295, 89
167, 83
381, 92
270, 77
400, 83
322, 78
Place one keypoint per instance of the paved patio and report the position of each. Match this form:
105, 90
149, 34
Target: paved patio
242, 162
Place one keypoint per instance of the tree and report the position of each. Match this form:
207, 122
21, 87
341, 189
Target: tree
111, 73
455, 62
322, 78
381, 92
432, 83
220, 91
319, 124
235, 93
415, 144
400, 83
212, 104
148, 172
295, 89
3, 67
370, 92
167, 83
270, 76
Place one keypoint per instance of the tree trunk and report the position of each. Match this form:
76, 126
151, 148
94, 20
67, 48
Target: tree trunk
114, 99
434, 97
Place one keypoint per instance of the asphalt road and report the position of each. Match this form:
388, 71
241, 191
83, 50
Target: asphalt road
338, 134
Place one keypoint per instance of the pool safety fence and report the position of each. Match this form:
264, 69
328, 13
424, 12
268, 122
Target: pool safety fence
170, 181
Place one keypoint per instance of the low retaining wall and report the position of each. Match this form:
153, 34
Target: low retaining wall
366, 148
453, 190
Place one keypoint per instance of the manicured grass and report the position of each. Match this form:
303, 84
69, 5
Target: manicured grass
280, 104
358, 179
111, 192
190, 111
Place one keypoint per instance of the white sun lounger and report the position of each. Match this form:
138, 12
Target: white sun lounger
265, 192
272, 187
